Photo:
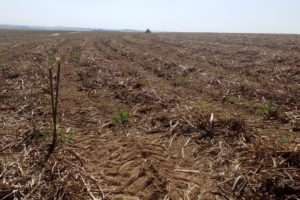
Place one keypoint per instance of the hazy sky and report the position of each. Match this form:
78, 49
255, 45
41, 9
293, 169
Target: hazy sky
263, 16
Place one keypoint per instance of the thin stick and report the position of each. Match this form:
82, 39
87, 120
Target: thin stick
54, 104
53, 111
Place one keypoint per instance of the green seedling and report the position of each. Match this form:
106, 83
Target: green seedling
66, 137
128, 40
163, 73
211, 60
46, 134
75, 54
87, 83
180, 81
100, 49
269, 110
203, 107
122, 117
153, 46
133, 72
283, 140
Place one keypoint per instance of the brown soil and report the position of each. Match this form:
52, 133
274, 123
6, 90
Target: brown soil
211, 116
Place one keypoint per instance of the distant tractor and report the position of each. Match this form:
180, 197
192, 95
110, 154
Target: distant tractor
148, 31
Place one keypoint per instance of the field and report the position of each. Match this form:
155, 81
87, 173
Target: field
151, 116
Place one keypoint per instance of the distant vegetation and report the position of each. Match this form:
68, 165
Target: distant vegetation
62, 28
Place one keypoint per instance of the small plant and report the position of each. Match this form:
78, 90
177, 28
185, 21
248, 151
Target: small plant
46, 134
269, 111
162, 87
283, 140
163, 73
66, 137
180, 81
154, 46
75, 54
122, 117
128, 40
98, 47
203, 107
133, 72
87, 83
212, 61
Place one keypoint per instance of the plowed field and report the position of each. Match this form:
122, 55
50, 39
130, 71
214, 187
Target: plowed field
151, 116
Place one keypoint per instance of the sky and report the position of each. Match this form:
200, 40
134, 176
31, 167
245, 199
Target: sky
235, 16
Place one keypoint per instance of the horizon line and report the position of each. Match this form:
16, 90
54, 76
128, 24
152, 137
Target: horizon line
90, 29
